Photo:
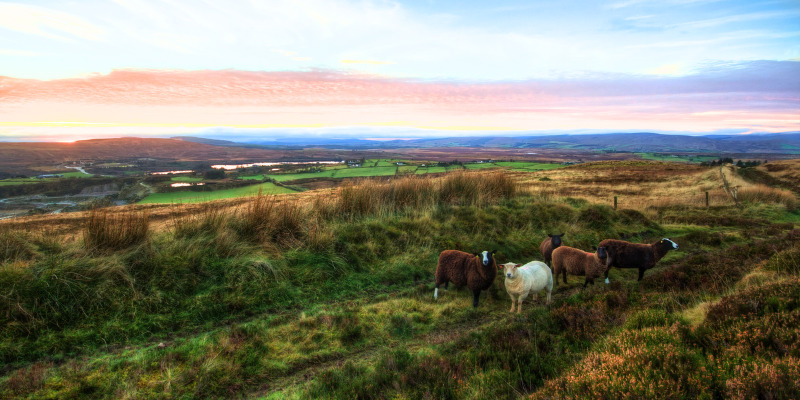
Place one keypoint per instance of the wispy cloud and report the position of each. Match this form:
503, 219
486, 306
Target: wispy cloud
47, 23
725, 96
371, 62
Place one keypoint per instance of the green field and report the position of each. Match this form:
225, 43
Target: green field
75, 174
676, 158
186, 179
527, 166
199, 197
24, 181
253, 177
480, 166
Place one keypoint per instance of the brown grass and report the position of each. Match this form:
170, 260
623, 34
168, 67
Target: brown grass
766, 194
106, 230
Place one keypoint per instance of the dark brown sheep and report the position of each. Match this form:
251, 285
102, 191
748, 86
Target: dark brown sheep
622, 254
548, 245
476, 271
578, 262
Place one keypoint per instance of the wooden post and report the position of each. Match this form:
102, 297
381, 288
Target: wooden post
615, 202
706, 198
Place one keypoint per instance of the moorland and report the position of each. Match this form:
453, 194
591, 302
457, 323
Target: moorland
326, 291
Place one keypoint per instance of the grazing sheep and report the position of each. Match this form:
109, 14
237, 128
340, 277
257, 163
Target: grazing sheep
578, 262
477, 271
521, 280
548, 245
622, 254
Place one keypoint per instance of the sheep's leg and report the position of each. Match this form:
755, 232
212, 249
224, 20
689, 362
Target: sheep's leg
519, 301
585, 282
564, 274
513, 302
641, 274
608, 268
475, 294
549, 292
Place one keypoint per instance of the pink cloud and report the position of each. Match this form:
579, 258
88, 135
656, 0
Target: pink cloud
759, 94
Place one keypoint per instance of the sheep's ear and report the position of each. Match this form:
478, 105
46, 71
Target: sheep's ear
549, 235
561, 234
517, 265
594, 248
494, 251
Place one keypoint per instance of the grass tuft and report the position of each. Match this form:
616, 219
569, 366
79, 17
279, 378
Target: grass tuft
115, 231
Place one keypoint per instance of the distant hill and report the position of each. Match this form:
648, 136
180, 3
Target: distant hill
17, 156
780, 143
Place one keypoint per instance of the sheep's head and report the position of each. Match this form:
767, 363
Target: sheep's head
555, 239
601, 252
510, 270
668, 244
486, 257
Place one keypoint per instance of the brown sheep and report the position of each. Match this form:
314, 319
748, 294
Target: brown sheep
548, 245
622, 254
476, 271
578, 262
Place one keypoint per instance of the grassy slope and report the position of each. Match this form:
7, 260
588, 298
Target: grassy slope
196, 197
346, 311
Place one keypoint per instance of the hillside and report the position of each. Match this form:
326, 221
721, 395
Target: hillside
781, 143
20, 155
329, 294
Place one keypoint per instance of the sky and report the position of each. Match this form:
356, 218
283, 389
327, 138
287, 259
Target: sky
84, 69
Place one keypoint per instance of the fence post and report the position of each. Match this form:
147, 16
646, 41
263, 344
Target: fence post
615, 202
706, 198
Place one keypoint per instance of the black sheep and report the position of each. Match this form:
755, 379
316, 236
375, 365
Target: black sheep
548, 245
622, 254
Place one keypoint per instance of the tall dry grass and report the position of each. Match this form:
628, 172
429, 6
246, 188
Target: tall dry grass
270, 219
419, 193
106, 230
766, 194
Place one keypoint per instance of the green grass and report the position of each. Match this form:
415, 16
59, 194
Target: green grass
75, 174
676, 157
332, 298
480, 166
527, 166
23, 181
186, 179
198, 197
253, 177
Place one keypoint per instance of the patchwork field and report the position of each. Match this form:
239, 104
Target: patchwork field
329, 293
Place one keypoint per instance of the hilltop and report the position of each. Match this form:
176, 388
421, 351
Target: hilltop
328, 294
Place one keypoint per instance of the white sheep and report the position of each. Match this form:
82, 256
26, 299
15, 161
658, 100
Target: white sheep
522, 280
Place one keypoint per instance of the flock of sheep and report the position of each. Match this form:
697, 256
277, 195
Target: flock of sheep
477, 271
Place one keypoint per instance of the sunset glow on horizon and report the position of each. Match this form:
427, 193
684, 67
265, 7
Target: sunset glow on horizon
160, 68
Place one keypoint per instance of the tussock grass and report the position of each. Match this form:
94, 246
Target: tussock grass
766, 194
105, 230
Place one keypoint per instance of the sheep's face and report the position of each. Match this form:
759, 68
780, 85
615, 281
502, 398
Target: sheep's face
669, 244
601, 252
510, 270
555, 239
486, 258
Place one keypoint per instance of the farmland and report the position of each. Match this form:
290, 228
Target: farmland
329, 294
